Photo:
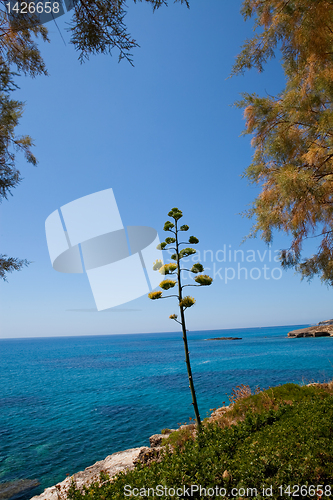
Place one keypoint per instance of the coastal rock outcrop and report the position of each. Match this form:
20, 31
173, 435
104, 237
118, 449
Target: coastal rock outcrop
156, 439
219, 413
154, 453
323, 329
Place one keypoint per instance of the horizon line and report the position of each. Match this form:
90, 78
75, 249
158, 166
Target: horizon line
157, 333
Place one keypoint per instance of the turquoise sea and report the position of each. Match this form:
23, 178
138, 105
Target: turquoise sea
66, 402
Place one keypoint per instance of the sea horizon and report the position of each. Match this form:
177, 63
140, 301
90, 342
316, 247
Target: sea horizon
158, 333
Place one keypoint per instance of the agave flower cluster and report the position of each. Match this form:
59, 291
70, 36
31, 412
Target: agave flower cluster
173, 243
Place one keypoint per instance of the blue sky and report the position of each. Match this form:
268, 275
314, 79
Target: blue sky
161, 134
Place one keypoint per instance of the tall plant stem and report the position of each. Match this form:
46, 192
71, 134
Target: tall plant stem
187, 354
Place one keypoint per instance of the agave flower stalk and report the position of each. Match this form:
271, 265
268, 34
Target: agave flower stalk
184, 302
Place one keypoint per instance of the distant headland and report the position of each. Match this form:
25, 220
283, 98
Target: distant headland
322, 329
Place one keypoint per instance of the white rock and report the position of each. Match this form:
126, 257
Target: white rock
111, 465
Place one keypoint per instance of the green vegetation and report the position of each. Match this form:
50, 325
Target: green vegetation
280, 438
175, 269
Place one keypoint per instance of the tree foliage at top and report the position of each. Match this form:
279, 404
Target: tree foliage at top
19, 54
293, 131
97, 27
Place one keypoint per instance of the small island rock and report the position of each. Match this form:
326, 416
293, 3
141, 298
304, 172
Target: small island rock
225, 338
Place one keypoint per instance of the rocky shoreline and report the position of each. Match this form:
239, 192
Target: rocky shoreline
124, 460
111, 465
118, 462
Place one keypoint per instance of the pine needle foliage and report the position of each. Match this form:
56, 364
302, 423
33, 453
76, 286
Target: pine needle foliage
98, 27
19, 54
10, 264
176, 270
292, 132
